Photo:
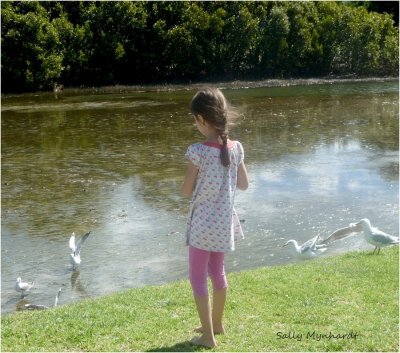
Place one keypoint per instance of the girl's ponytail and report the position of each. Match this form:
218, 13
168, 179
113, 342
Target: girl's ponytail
224, 154
211, 104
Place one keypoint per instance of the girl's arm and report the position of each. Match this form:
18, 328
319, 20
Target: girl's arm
242, 177
190, 179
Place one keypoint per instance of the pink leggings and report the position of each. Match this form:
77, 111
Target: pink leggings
201, 262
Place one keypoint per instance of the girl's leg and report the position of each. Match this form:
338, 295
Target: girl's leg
219, 299
220, 284
198, 263
217, 273
207, 338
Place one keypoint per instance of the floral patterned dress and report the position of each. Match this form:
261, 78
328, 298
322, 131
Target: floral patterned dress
213, 224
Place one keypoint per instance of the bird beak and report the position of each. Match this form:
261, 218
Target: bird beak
357, 226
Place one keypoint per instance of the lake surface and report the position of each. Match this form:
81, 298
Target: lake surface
319, 157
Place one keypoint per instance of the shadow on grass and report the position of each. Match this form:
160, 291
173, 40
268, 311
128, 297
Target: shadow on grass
185, 346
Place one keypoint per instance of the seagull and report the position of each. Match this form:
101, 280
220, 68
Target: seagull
22, 286
76, 250
375, 236
308, 250
40, 306
35, 307
57, 297
342, 233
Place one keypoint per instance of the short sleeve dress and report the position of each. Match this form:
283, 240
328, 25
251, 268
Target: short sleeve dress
213, 224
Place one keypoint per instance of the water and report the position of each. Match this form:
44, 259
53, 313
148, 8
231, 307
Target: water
319, 157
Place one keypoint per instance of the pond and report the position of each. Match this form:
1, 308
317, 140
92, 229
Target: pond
112, 162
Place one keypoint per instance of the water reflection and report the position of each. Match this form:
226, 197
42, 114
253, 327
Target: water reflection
76, 285
319, 157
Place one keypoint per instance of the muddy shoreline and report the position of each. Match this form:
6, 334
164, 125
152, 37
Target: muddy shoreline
237, 84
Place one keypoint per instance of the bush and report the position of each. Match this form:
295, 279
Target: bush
106, 43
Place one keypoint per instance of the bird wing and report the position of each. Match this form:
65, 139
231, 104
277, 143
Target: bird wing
382, 237
309, 244
25, 285
319, 244
341, 233
81, 242
72, 242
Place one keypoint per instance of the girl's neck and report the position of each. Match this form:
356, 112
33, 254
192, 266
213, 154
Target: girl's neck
214, 139
212, 136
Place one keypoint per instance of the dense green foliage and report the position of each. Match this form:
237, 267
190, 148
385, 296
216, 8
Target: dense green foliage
122, 42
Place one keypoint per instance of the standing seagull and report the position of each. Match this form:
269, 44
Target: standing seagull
375, 236
308, 250
57, 297
22, 286
76, 250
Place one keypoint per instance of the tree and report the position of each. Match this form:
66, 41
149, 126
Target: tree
111, 42
275, 43
31, 48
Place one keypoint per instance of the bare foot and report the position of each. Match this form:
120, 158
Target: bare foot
217, 330
204, 341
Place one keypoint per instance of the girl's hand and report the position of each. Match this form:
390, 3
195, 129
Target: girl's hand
242, 177
190, 179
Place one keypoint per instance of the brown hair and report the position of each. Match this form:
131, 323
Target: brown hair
212, 105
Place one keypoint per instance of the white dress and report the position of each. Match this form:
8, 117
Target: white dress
213, 224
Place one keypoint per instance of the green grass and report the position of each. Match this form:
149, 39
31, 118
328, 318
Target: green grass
352, 293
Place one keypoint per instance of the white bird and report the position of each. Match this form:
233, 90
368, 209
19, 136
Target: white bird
311, 248
375, 236
40, 306
35, 307
75, 257
57, 297
341, 233
22, 286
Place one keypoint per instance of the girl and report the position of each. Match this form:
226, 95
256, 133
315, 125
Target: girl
215, 169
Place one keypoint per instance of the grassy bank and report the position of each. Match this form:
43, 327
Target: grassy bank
353, 297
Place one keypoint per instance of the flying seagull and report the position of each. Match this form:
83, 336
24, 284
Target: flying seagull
22, 286
76, 249
43, 307
375, 236
311, 248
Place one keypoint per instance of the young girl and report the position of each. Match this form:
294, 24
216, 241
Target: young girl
215, 169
